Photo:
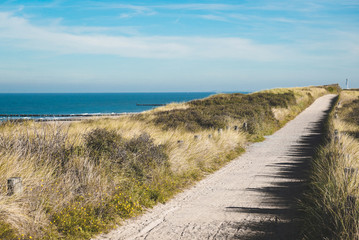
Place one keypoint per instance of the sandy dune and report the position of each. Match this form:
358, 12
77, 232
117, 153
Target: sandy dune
250, 198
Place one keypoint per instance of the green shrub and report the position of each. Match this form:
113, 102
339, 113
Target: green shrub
79, 221
6, 232
333, 88
143, 155
137, 156
102, 143
213, 112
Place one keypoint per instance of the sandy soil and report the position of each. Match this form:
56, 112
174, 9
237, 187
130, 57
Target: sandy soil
253, 197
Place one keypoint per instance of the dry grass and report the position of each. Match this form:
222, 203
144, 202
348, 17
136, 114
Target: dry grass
303, 96
48, 185
68, 195
348, 96
169, 107
332, 209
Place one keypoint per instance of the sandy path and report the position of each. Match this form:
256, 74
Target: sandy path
250, 198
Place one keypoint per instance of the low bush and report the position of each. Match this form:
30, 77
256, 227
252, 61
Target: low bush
137, 156
143, 155
214, 112
102, 143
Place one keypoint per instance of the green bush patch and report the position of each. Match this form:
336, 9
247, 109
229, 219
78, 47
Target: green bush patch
213, 112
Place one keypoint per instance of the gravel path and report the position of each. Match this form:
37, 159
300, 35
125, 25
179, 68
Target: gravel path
250, 198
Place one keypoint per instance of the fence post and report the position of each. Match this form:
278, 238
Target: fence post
245, 126
336, 136
235, 128
350, 204
349, 174
14, 185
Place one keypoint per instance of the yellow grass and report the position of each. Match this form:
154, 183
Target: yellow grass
348, 96
331, 212
302, 98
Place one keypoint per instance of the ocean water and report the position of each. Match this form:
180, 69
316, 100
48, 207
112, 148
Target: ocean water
88, 103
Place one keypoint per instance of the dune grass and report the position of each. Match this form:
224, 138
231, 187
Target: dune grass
331, 203
82, 178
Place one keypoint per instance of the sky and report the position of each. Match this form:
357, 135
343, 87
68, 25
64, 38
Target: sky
176, 46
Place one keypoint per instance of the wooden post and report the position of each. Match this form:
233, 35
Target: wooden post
14, 186
349, 175
235, 128
336, 136
245, 126
350, 204
350, 172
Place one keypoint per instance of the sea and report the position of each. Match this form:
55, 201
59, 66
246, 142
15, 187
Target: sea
87, 103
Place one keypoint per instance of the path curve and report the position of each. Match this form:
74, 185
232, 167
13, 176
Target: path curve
250, 198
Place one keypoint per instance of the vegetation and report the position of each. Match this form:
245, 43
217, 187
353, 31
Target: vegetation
213, 112
331, 203
82, 178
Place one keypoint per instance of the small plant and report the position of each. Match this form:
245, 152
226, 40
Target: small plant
102, 143
6, 232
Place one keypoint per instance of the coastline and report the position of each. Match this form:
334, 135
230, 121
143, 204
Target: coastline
71, 107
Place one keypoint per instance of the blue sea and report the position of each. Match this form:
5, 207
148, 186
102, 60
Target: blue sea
88, 103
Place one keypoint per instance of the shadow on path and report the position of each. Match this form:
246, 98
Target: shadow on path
279, 217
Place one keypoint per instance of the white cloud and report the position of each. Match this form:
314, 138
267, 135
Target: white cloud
213, 17
149, 8
198, 6
135, 10
18, 32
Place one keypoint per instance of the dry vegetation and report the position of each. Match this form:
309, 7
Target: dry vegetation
331, 204
85, 177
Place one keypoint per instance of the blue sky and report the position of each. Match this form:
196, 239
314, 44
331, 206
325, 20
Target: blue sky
156, 46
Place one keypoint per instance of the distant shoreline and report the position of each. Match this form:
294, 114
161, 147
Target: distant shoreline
64, 106
73, 107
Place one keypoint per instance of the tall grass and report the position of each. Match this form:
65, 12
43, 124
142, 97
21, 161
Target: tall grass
331, 204
85, 177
